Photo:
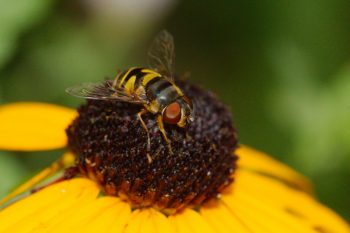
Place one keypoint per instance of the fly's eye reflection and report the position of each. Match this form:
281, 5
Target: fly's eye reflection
153, 88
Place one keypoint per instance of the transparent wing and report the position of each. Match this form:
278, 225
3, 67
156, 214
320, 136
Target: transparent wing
102, 91
161, 55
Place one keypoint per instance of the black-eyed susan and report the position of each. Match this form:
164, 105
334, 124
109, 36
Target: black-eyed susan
199, 187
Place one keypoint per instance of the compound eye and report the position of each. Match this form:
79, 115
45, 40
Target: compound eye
172, 113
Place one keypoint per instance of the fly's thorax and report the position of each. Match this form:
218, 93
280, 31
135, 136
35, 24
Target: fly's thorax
153, 107
163, 91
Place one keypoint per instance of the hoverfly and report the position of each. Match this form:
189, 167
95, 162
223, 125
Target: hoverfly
154, 88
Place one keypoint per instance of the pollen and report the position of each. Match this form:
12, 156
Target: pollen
111, 145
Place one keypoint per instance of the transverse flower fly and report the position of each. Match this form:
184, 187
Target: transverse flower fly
154, 88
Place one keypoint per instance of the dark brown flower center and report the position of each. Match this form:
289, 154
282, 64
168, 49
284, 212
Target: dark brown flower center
111, 146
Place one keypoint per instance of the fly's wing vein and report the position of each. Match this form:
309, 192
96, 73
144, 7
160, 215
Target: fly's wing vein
161, 55
102, 91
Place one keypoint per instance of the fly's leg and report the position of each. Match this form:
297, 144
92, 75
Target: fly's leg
161, 128
139, 115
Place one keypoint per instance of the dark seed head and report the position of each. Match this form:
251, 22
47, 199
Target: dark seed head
111, 145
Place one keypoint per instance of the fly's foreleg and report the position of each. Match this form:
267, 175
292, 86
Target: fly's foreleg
161, 128
139, 115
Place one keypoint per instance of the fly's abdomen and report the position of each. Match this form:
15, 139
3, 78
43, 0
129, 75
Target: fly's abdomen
126, 80
132, 79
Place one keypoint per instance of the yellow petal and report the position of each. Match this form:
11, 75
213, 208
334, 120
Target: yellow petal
34, 212
34, 126
158, 223
135, 221
88, 217
268, 204
149, 220
256, 161
259, 216
190, 221
222, 220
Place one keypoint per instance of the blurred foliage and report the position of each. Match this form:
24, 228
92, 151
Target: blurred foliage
282, 66
12, 172
16, 17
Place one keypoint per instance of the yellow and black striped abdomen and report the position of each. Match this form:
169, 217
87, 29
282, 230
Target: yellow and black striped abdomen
131, 79
126, 80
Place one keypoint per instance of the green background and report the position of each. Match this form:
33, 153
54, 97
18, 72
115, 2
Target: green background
281, 66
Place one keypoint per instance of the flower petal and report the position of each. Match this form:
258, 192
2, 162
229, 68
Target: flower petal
253, 160
34, 212
117, 216
30, 126
90, 217
190, 221
222, 220
148, 220
264, 203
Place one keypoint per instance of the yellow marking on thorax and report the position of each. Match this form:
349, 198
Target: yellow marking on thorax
129, 85
178, 90
153, 107
126, 75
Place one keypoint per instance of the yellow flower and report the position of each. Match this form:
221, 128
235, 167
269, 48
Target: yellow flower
266, 196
